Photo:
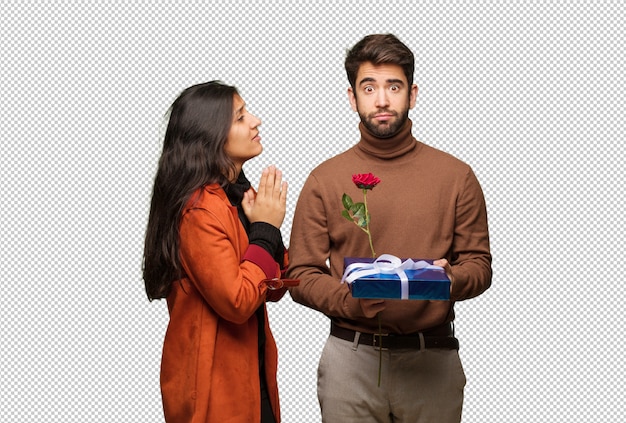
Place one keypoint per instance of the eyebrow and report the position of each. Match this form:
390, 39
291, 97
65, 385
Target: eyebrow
389, 81
240, 110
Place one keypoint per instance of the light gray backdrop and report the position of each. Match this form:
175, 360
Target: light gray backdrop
531, 95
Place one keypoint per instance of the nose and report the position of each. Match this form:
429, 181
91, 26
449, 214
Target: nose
381, 99
255, 121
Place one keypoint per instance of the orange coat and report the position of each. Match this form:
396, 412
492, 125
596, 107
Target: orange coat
210, 365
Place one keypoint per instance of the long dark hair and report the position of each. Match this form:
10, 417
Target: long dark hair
193, 156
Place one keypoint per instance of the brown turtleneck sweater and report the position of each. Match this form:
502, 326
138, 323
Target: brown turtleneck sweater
428, 205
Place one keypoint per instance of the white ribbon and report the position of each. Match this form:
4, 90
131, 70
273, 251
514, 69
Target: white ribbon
389, 265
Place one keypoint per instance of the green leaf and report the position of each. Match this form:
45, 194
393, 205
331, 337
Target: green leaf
345, 214
347, 201
358, 209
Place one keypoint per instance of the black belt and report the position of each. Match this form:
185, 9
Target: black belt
391, 341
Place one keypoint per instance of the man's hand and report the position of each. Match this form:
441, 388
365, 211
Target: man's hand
448, 269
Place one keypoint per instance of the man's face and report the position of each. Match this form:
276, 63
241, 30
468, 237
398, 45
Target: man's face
382, 97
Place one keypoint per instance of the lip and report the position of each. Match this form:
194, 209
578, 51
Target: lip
383, 116
256, 138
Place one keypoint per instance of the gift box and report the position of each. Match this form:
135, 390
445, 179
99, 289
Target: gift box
389, 277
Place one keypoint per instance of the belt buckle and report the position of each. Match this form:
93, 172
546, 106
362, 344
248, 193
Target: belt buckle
378, 339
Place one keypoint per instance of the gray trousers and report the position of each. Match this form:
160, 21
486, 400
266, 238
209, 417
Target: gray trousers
417, 386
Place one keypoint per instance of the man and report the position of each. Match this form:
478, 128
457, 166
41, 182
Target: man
428, 205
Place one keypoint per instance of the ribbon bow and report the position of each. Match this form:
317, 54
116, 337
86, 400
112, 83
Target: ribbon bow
389, 265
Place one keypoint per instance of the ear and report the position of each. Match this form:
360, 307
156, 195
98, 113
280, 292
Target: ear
412, 96
352, 100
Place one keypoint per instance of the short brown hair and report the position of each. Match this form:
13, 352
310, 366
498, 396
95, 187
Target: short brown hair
379, 49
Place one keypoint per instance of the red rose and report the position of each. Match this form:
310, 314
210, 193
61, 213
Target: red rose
365, 180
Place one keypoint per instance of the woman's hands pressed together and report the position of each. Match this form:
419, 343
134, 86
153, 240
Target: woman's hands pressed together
270, 203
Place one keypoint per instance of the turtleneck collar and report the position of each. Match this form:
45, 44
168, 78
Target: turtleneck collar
387, 148
235, 191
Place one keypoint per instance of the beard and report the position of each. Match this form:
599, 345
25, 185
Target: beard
387, 129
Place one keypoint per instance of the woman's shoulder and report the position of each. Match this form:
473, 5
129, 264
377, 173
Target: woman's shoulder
208, 197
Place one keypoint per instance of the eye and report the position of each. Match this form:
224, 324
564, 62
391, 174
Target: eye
241, 116
368, 89
394, 88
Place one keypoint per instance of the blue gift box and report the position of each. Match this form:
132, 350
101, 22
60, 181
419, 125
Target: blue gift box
427, 283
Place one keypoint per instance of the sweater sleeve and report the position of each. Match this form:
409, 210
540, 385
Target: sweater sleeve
471, 259
266, 241
269, 238
308, 258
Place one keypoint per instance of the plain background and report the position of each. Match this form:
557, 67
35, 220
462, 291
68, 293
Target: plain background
530, 94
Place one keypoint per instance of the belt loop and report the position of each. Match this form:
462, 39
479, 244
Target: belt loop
452, 322
422, 343
355, 343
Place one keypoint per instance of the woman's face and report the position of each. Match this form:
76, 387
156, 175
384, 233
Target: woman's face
243, 142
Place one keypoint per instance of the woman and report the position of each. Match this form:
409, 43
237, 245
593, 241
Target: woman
214, 251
